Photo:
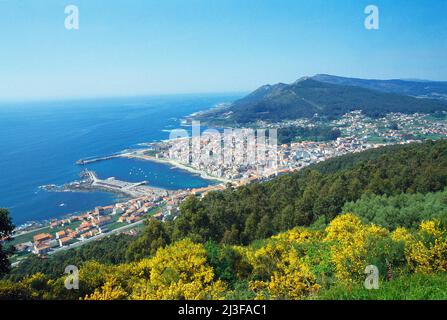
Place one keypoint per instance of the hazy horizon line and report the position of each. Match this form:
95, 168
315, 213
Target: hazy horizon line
118, 96
162, 94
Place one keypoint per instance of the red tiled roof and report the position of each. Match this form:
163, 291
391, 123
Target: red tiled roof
42, 236
65, 239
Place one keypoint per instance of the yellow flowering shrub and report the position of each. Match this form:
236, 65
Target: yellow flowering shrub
292, 279
109, 291
291, 265
179, 271
401, 234
432, 228
426, 252
350, 240
297, 235
93, 275
266, 259
36, 284
283, 273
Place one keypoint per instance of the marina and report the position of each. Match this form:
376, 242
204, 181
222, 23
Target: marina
91, 181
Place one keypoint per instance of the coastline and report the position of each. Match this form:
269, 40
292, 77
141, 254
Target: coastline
175, 164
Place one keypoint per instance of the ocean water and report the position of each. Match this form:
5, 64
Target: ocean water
40, 143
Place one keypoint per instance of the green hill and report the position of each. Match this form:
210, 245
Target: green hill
307, 97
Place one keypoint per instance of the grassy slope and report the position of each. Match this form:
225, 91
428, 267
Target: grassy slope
406, 287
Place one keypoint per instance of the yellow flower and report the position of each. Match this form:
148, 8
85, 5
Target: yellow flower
349, 237
179, 271
285, 274
427, 251
109, 291
401, 234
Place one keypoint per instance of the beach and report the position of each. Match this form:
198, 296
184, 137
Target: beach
140, 155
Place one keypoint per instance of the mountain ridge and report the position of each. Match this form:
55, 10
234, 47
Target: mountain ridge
412, 87
309, 96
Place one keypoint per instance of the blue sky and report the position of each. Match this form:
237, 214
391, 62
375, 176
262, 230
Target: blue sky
137, 47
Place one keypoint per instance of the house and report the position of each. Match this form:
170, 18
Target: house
132, 219
64, 241
84, 225
70, 233
42, 237
118, 210
89, 234
86, 235
101, 221
139, 204
41, 249
60, 234
99, 211
139, 213
108, 209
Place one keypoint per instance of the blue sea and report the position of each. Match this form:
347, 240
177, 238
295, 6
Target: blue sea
40, 143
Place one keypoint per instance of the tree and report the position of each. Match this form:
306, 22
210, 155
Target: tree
6, 228
153, 237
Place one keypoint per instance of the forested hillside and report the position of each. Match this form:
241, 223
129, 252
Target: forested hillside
307, 97
298, 264
404, 210
318, 133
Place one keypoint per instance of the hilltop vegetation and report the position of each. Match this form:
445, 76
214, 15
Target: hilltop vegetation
297, 264
307, 97
6, 228
403, 210
318, 133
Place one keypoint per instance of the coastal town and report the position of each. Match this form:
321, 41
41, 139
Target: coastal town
234, 157
75, 230
243, 155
